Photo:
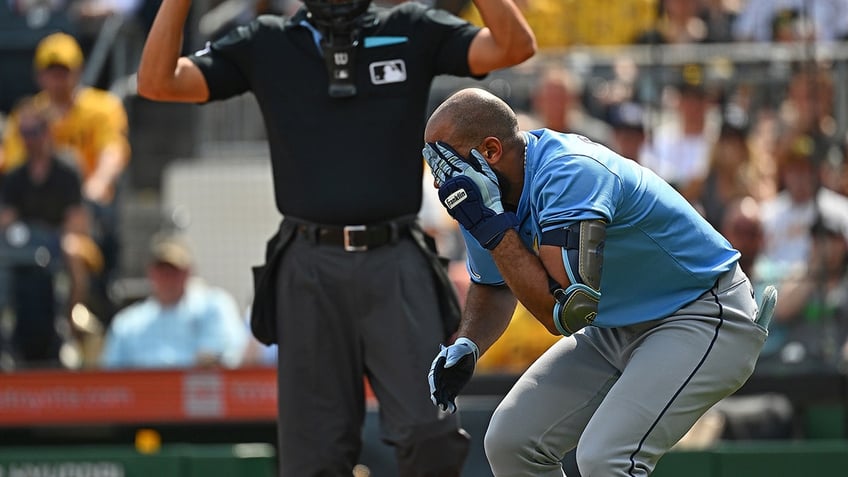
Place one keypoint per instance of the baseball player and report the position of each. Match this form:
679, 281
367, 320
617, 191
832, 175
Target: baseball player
658, 318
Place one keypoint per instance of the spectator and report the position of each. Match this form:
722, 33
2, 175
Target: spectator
807, 108
351, 286
41, 205
792, 20
183, 323
90, 127
730, 171
788, 216
814, 302
763, 144
556, 104
719, 17
627, 119
835, 170
678, 22
679, 148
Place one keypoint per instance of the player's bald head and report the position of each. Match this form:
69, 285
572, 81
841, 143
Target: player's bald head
470, 115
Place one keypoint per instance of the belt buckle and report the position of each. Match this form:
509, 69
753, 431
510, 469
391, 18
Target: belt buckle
348, 243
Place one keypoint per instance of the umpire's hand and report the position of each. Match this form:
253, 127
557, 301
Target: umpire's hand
451, 371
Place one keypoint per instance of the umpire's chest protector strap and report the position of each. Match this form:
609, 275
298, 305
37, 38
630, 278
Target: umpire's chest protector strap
263, 310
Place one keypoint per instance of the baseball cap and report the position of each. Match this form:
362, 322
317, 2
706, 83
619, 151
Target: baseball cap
171, 249
58, 49
691, 80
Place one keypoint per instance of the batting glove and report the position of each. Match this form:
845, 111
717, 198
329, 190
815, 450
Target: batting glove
469, 190
451, 371
445, 163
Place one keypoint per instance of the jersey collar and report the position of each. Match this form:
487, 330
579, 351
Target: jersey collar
301, 19
370, 18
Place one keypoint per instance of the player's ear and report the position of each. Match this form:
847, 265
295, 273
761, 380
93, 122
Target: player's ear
491, 149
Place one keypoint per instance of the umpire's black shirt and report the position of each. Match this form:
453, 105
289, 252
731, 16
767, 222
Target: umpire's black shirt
352, 160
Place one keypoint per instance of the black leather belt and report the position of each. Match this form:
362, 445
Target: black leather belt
354, 238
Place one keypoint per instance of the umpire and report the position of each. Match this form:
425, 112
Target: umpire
351, 286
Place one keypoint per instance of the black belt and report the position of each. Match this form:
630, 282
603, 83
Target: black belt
354, 238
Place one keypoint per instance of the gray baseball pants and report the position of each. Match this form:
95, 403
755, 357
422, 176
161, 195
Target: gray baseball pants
624, 396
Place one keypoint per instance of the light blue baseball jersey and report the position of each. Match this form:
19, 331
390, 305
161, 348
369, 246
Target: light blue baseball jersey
659, 254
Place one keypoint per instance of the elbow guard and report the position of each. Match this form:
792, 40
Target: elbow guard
582, 255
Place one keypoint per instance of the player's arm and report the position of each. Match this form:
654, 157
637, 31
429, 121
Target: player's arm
527, 277
488, 310
572, 258
506, 40
164, 75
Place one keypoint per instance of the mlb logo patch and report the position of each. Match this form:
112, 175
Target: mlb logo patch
391, 71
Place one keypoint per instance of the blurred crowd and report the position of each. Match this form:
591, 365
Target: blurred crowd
764, 160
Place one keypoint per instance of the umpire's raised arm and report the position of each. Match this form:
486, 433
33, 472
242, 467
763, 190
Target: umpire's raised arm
162, 74
506, 40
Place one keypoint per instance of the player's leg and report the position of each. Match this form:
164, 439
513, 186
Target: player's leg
675, 371
543, 415
402, 332
321, 391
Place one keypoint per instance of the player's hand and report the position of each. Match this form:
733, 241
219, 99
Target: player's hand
445, 163
469, 190
451, 371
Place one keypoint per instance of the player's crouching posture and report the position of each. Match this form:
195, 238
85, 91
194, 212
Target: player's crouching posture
660, 321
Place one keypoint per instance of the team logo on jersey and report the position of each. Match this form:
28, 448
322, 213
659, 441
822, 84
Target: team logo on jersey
456, 198
390, 71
